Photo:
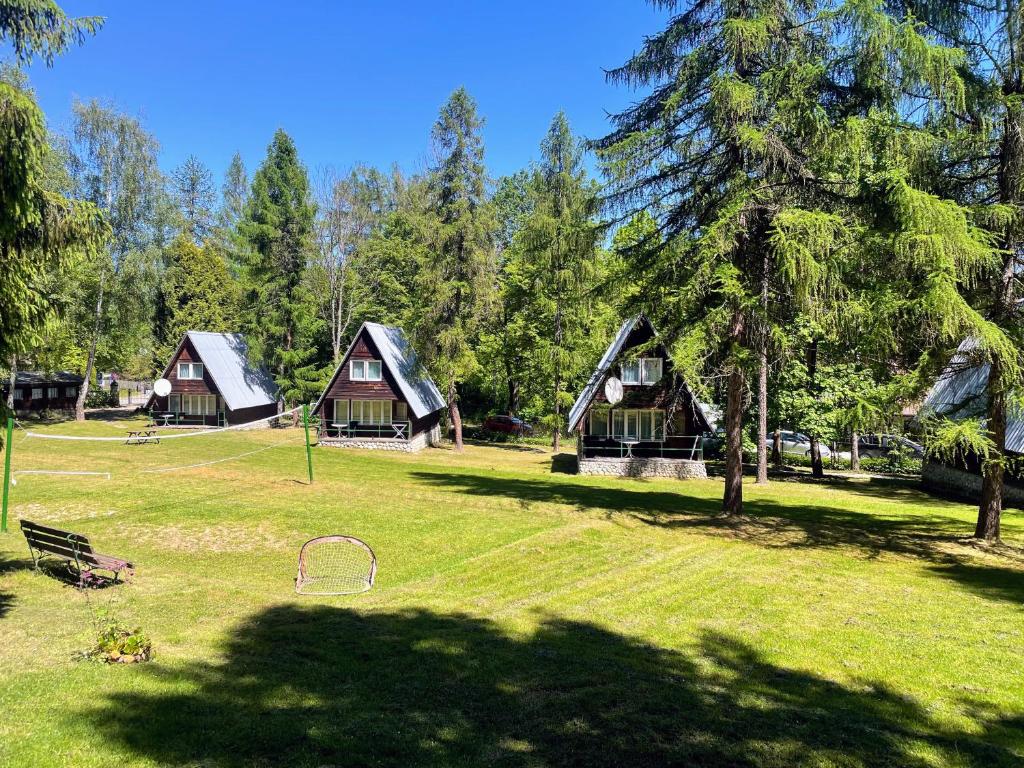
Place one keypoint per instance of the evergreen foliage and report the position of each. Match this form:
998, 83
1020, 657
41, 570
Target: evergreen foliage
278, 225
455, 282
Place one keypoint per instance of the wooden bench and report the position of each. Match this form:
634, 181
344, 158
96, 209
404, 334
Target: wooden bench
74, 548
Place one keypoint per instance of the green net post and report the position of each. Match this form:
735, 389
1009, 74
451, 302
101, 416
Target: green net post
309, 451
8, 445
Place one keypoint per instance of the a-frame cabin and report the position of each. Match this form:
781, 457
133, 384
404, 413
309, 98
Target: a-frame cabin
657, 427
379, 396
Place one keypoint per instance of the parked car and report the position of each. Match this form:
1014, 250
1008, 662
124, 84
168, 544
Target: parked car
879, 446
797, 444
508, 424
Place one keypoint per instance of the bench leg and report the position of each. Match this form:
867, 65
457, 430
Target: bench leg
35, 557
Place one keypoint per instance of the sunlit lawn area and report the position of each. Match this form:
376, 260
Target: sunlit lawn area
521, 617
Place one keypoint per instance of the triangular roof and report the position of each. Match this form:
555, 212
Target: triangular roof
600, 373
960, 392
398, 356
226, 358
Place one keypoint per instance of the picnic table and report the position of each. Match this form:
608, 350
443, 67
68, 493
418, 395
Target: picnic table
142, 436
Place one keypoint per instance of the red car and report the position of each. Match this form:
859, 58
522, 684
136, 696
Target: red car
508, 424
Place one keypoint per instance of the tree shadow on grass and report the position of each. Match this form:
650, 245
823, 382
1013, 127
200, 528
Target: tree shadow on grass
934, 538
318, 686
9, 564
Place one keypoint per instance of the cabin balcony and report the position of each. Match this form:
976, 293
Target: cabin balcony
679, 456
171, 419
395, 435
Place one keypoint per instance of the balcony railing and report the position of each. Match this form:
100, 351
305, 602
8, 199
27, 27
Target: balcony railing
354, 430
684, 447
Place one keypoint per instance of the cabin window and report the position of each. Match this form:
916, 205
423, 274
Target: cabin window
365, 370
174, 404
631, 372
630, 424
371, 411
198, 405
650, 370
645, 370
37, 393
341, 411
401, 412
70, 391
190, 370
19, 394
599, 422
51, 392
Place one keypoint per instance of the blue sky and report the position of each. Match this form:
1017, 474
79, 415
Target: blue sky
351, 82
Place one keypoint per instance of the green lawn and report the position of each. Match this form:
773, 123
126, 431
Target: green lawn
521, 617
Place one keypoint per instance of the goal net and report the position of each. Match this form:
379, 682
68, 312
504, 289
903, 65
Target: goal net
335, 565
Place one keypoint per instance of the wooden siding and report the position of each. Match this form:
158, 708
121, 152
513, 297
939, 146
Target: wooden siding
190, 386
343, 388
667, 395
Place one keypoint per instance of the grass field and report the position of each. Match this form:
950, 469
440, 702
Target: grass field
522, 617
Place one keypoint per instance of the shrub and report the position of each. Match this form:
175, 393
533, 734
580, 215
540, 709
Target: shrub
116, 644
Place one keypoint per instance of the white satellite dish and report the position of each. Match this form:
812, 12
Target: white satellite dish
162, 387
613, 390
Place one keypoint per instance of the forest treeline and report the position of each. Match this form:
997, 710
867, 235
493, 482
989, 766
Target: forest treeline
815, 202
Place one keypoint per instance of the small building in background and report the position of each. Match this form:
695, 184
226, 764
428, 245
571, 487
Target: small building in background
959, 393
35, 391
379, 396
656, 429
213, 383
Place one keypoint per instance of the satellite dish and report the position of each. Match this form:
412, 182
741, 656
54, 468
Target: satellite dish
613, 390
162, 387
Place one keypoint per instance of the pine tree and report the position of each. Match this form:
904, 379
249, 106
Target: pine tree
560, 239
194, 194
456, 280
278, 225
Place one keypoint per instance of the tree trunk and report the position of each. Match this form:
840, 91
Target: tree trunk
762, 419
991, 507
83, 392
817, 468
513, 393
556, 432
733, 501
855, 451
453, 410
777, 448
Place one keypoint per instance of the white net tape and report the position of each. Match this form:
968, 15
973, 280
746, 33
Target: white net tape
164, 435
335, 565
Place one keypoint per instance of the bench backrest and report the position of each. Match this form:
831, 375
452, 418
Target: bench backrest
57, 542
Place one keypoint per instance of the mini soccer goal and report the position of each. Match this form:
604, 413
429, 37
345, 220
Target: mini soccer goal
335, 565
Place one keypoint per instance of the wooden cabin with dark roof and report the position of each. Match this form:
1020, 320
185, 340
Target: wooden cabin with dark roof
37, 391
213, 383
379, 396
655, 429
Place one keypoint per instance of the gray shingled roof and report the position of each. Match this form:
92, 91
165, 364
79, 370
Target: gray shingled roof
28, 378
226, 358
960, 393
400, 360
597, 377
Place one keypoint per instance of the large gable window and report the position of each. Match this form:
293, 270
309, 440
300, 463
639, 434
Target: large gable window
644, 370
365, 370
371, 411
188, 371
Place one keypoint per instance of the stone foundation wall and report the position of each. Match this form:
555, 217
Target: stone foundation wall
417, 443
952, 479
681, 469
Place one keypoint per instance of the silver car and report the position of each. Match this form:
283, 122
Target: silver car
797, 444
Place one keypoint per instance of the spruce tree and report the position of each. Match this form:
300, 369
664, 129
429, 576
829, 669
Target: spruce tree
456, 281
560, 239
194, 193
278, 226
